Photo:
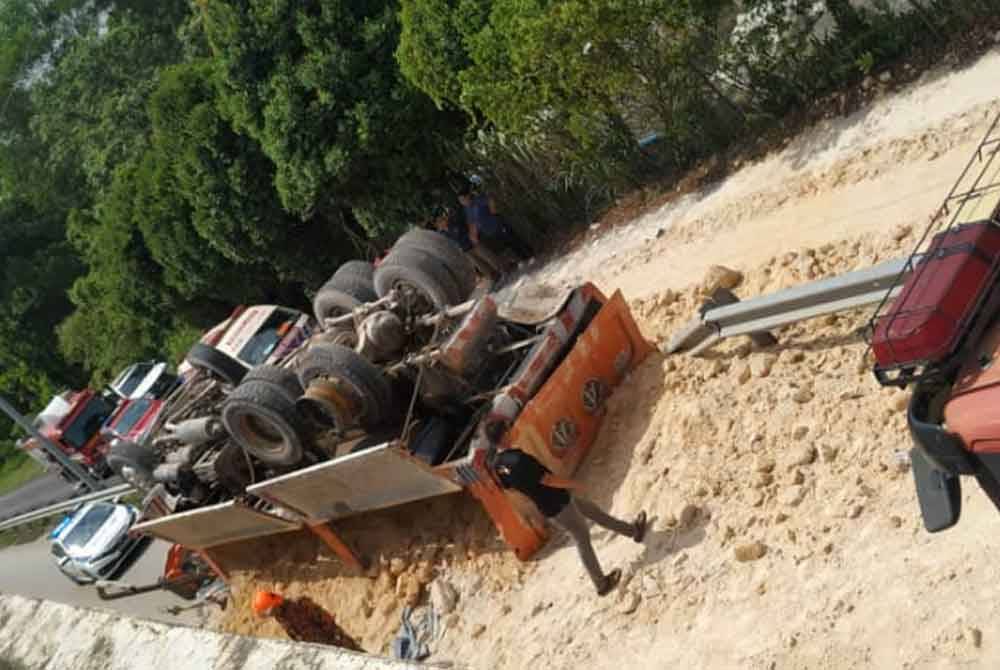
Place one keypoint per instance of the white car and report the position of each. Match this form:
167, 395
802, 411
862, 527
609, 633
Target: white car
94, 541
139, 380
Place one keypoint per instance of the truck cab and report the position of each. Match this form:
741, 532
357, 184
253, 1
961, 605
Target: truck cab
73, 421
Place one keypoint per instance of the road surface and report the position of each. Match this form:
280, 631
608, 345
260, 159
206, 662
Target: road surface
28, 570
46, 490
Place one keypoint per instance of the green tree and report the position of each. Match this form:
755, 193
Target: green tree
317, 85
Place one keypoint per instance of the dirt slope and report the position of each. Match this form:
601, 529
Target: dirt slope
785, 532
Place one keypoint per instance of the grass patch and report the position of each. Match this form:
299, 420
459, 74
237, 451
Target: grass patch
27, 532
17, 471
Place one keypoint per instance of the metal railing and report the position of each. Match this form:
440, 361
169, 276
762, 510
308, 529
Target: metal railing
806, 301
65, 506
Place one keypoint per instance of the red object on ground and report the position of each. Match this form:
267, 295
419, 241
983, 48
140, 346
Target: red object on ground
265, 601
929, 317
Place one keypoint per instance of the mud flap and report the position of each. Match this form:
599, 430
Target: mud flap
938, 492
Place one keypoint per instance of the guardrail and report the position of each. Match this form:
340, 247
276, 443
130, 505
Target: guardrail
51, 510
860, 288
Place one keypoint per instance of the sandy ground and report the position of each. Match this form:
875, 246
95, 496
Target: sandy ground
785, 529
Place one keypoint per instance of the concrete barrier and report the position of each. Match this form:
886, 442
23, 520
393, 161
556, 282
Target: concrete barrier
41, 635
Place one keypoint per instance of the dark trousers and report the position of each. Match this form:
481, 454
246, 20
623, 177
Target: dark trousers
573, 519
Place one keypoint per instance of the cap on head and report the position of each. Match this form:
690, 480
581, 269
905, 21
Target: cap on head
265, 601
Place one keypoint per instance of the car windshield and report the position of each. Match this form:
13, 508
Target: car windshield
87, 422
85, 528
132, 378
131, 416
260, 346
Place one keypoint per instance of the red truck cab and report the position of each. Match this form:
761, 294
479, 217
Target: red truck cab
133, 420
76, 427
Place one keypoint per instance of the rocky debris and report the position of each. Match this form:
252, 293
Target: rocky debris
743, 373
397, 566
477, 631
762, 364
901, 232
719, 276
975, 636
828, 453
802, 395
800, 432
885, 77
686, 515
629, 603
746, 553
792, 496
800, 455
764, 463
444, 597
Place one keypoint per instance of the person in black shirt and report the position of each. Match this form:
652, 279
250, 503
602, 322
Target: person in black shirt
522, 472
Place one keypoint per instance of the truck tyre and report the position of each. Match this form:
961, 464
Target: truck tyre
218, 363
142, 461
261, 417
420, 275
349, 287
281, 378
367, 382
448, 254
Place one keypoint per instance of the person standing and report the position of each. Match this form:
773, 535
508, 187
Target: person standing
303, 620
487, 227
520, 471
451, 223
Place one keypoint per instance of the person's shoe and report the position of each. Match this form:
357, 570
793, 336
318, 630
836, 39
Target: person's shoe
640, 527
610, 582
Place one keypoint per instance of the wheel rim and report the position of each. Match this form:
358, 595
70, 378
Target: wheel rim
415, 300
262, 435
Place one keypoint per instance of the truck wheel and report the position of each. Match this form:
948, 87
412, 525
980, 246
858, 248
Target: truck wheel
140, 460
261, 417
420, 278
218, 363
366, 381
448, 253
280, 377
350, 286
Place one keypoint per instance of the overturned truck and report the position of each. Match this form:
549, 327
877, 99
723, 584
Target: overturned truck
286, 421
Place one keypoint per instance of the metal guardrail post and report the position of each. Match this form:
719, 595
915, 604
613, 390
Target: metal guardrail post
798, 303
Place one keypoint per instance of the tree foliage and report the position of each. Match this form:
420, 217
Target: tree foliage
162, 161
316, 84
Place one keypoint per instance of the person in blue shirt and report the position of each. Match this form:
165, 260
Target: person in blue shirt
486, 227
451, 223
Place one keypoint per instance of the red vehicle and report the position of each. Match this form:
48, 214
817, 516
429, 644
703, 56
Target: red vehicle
83, 424
133, 420
941, 335
73, 421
